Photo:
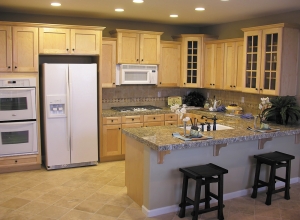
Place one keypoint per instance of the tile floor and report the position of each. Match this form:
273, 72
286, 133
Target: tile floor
98, 193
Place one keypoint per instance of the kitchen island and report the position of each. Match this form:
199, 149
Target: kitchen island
153, 157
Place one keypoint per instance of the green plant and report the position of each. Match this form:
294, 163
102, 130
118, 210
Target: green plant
283, 109
194, 99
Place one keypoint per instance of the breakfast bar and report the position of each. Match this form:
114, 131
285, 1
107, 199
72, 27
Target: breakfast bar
154, 156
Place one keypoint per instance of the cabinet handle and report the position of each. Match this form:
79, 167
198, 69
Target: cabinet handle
210, 84
16, 161
160, 83
112, 120
114, 83
233, 86
16, 67
8, 67
171, 117
142, 60
132, 119
73, 49
137, 59
119, 128
154, 118
67, 49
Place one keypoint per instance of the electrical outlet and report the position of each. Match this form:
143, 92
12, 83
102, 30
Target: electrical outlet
242, 100
159, 94
188, 92
207, 96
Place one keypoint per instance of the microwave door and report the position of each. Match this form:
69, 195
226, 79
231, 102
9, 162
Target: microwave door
135, 77
17, 104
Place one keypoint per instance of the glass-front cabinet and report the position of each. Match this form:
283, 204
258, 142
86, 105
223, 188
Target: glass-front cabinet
271, 54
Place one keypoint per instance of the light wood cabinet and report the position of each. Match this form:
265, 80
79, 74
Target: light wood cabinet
20, 163
154, 120
214, 65
19, 49
137, 47
108, 63
271, 59
233, 64
169, 68
171, 119
69, 41
111, 137
129, 125
6, 49
192, 58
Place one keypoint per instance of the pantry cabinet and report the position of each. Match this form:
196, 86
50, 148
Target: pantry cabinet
214, 65
137, 47
69, 41
20, 49
169, 68
233, 64
192, 58
271, 59
108, 63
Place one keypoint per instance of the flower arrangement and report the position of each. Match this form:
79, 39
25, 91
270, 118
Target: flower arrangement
265, 104
178, 110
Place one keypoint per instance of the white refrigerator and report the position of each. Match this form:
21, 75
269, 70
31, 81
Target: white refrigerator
70, 125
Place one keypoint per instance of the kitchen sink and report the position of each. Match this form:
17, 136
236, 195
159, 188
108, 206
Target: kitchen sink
219, 127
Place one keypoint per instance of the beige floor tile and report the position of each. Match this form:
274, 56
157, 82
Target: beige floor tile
290, 214
27, 184
81, 193
111, 210
14, 203
33, 207
48, 198
14, 190
43, 187
133, 214
117, 182
38, 217
11, 180
17, 216
267, 211
30, 195
4, 197
102, 217
62, 190
76, 215
4, 212
89, 206
240, 216
112, 190
122, 200
171, 216
74, 183
54, 212
100, 197
92, 185
68, 202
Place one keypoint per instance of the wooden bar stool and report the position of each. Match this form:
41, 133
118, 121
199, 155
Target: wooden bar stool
275, 160
203, 175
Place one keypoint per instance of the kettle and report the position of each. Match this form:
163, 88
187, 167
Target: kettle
216, 103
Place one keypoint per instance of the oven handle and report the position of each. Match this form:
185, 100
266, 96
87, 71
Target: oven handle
68, 111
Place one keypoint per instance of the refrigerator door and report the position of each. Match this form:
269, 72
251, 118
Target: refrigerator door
83, 112
57, 148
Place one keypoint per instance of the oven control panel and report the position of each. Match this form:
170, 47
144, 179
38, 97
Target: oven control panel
56, 106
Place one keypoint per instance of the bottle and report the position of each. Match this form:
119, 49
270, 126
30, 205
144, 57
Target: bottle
206, 104
208, 127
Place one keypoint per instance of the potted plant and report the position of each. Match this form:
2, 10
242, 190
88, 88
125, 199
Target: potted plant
283, 109
194, 99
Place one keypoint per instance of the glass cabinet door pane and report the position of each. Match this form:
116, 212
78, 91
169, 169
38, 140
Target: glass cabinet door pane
192, 58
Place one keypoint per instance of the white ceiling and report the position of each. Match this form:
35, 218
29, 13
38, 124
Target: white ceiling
157, 11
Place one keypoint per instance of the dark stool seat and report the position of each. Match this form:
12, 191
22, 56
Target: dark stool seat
275, 160
203, 175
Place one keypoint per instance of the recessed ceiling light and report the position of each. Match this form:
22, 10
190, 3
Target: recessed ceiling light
138, 1
174, 16
119, 9
55, 4
199, 9
224, 0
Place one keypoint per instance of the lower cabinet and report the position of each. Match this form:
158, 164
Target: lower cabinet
154, 120
20, 163
171, 119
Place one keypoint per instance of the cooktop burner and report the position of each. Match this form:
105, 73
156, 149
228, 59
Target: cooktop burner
136, 108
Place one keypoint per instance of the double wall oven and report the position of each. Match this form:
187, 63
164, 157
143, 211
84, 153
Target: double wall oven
18, 128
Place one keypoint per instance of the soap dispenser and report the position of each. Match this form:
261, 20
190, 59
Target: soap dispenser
206, 104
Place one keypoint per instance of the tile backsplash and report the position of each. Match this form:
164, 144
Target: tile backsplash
128, 95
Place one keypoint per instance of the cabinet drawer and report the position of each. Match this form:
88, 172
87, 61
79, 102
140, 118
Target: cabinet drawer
16, 160
132, 119
154, 123
149, 118
171, 117
132, 125
111, 120
171, 123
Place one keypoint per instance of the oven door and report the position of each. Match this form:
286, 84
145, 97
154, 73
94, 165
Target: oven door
17, 104
18, 138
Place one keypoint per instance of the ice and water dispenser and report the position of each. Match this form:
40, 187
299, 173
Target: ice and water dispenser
56, 106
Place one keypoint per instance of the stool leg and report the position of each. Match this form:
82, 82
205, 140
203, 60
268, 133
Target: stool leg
183, 197
256, 178
197, 199
207, 197
287, 180
271, 185
220, 197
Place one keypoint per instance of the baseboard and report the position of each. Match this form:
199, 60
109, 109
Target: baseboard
232, 195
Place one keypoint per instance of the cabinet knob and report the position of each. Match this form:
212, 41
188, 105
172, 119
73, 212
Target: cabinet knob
67, 49
210, 84
260, 89
160, 83
112, 120
231, 86
137, 59
171, 117
114, 83
142, 59
213, 84
16, 67
119, 128
16, 161
256, 89
154, 118
73, 49
132, 119
8, 67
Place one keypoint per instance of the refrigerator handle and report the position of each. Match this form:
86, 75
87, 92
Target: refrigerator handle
68, 111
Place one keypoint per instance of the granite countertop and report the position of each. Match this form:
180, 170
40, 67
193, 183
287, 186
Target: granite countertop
160, 138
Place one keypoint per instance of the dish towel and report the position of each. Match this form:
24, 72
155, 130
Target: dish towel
247, 116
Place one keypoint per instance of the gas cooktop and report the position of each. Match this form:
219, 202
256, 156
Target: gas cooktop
136, 108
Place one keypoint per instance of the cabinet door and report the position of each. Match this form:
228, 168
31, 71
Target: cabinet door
149, 49
251, 76
132, 119
25, 49
5, 49
128, 48
239, 64
108, 66
192, 47
169, 68
131, 125
54, 41
111, 143
209, 66
85, 41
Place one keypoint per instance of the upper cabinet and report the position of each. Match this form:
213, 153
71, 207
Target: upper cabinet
137, 47
169, 68
69, 41
108, 63
19, 49
271, 59
192, 58
214, 65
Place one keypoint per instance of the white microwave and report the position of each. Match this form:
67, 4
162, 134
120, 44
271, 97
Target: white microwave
136, 74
